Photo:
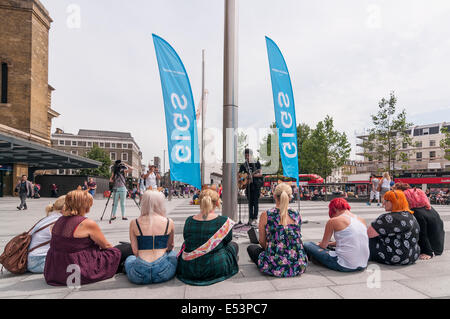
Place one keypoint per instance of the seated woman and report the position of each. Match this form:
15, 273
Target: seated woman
151, 236
432, 233
280, 252
394, 236
77, 240
41, 235
208, 254
352, 244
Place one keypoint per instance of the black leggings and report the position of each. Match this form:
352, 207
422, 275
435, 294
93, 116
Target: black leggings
125, 251
254, 251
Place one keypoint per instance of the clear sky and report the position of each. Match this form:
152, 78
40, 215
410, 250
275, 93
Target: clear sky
343, 57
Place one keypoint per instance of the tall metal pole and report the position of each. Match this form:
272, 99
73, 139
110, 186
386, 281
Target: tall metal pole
203, 119
164, 168
230, 111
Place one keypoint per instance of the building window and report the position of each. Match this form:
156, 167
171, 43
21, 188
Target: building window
61, 171
130, 146
89, 144
113, 145
112, 155
124, 156
433, 154
418, 144
107, 145
419, 156
405, 145
102, 144
61, 142
119, 145
67, 143
4, 81
74, 143
124, 146
432, 143
74, 152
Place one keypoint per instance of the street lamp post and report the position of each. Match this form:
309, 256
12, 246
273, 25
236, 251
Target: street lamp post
230, 111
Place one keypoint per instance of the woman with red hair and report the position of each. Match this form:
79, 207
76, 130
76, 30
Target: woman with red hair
352, 244
394, 236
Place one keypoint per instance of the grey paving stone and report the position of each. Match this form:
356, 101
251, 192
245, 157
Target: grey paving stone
32, 285
155, 291
224, 288
387, 290
308, 293
60, 295
342, 278
306, 280
431, 268
437, 287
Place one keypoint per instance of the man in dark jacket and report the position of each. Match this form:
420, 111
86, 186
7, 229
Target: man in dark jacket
24, 188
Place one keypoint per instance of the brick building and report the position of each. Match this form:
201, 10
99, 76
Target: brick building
119, 145
25, 95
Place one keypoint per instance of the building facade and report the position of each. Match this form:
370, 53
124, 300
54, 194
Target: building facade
25, 101
118, 145
425, 154
341, 174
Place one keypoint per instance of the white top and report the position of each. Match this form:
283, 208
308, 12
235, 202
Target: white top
352, 245
386, 183
151, 181
42, 236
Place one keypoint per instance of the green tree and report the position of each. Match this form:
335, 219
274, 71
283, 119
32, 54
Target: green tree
98, 154
324, 149
388, 139
445, 143
303, 134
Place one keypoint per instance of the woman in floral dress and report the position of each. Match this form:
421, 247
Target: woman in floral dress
281, 252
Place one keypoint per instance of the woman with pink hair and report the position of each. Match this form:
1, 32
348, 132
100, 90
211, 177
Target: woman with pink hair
352, 243
432, 233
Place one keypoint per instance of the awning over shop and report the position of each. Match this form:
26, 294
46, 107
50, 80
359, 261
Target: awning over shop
36, 156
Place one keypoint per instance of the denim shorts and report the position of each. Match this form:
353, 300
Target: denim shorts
141, 272
36, 264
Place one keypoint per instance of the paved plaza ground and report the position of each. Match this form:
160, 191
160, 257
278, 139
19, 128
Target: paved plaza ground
425, 279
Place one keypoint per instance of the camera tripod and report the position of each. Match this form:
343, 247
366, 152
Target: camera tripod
110, 194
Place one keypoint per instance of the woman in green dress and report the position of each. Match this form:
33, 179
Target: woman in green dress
208, 255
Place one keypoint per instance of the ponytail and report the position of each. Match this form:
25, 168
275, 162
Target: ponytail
284, 203
206, 206
209, 199
58, 205
50, 208
283, 192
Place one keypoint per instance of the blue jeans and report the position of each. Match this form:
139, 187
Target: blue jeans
36, 264
120, 192
92, 192
323, 256
141, 272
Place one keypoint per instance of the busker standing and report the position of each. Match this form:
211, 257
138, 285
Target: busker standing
24, 188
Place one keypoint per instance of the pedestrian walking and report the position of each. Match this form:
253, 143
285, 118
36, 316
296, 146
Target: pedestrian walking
25, 189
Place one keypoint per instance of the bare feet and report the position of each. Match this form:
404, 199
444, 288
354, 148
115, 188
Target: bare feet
424, 257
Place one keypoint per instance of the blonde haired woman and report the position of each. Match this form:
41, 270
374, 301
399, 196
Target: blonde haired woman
385, 184
41, 234
77, 240
151, 236
281, 252
208, 254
